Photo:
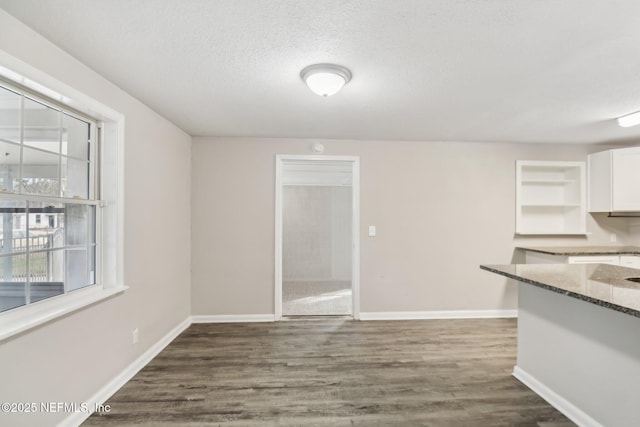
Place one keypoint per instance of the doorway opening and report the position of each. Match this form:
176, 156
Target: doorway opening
317, 250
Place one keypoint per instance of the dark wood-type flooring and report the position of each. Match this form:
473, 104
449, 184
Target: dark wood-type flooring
334, 372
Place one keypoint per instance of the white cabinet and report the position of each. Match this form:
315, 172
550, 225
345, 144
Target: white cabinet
632, 261
550, 197
594, 259
614, 180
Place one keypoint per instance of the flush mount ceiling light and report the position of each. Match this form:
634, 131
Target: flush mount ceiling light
325, 79
629, 120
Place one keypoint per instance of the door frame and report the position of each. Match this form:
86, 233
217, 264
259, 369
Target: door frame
355, 229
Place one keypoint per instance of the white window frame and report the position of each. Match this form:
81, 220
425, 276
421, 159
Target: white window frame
93, 190
110, 229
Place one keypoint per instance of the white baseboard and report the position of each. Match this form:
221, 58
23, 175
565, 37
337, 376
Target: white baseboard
571, 411
233, 318
316, 279
451, 314
121, 379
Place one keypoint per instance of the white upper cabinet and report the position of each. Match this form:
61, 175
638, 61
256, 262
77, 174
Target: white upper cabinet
614, 180
550, 197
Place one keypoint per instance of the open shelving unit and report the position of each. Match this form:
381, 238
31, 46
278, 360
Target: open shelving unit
550, 197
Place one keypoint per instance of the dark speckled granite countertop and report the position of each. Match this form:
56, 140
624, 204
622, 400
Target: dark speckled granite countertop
583, 250
600, 284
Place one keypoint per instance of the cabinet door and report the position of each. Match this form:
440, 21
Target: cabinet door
626, 179
594, 259
630, 261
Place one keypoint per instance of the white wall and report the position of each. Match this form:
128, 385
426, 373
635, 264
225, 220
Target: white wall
316, 226
441, 210
341, 233
69, 359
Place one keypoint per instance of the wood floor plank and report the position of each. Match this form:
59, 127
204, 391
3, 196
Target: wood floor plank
334, 372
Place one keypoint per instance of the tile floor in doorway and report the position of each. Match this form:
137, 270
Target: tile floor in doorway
316, 298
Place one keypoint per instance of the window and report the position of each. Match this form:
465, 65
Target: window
48, 163
75, 256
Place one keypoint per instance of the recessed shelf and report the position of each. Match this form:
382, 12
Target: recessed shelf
552, 233
552, 205
548, 181
550, 197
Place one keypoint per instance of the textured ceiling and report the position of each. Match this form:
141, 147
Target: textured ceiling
463, 70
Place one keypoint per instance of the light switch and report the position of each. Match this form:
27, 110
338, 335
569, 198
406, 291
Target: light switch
372, 231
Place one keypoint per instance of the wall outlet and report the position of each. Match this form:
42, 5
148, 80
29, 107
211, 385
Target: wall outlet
372, 231
614, 237
135, 335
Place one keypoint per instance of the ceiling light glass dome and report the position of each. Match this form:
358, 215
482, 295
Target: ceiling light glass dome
325, 79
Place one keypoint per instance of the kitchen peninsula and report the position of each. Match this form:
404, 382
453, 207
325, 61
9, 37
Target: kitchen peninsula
579, 338
626, 256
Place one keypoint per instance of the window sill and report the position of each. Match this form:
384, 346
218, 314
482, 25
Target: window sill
19, 320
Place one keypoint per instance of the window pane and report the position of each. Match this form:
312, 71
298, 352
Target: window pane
92, 225
40, 173
75, 137
55, 266
41, 126
9, 115
9, 167
75, 178
13, 223
9, 131
43, 290
39, 267
76, 264
13, 277
92, 265
49, 232
76, 224
41, 275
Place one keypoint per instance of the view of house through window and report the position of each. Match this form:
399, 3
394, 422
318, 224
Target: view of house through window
48, 200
